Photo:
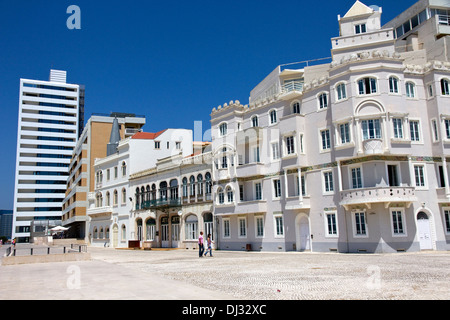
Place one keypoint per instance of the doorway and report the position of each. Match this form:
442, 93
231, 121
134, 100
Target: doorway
424, 231
165, 232
303, 237
115, 235
394, 180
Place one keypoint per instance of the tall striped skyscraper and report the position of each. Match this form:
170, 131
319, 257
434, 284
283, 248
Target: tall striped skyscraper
51, 116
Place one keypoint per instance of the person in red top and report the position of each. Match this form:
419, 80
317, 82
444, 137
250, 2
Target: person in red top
201, 247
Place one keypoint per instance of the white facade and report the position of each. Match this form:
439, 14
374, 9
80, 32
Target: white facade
110, 204
348, 156
50, 117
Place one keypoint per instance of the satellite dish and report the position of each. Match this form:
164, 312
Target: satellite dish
375, 8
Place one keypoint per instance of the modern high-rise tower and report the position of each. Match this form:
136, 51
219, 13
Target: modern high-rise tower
51, 117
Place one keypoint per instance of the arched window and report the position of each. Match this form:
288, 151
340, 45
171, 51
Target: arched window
367, 85
393, 84
150, 229
255, 122
124, 169
230, 197
173, 189
273, 116
191, 227
108, 199
223, 128
116, 198
445, 87
95, 233
138, 198
410, 90
124, 232
124, 196
100, 236
208, 183
163, 190
153, 193
107, 233
341, 91
296, 107
200, 184
99, 200
185, 187
323, 100
220, 196
192, 185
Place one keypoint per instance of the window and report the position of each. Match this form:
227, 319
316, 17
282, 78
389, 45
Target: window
124, 169
344, 130
279, 228
326, 141
226, 228
290, 145
371, 129
273, 116
331, 224
434, 128
393, 85
242, 227
360, 224
259, 223
275, 151
398, 128
277, 188
258, 191
447, 221
356, 178
410, 90
191, 227
124, 196
223, 128
447, 128
419, 175
323, 101
108, 175
414, 130
241, 192
360, 28
230, 197
341, 92
157, 144
108, 199
256, 157
296, 107
255, 122
328, 181
221, 196
397, 222
116, 172
116, 198
367, 86
124, 232
445, 87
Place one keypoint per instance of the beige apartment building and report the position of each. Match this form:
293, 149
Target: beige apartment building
91, 145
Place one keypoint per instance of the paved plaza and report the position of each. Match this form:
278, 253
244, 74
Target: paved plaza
181, 275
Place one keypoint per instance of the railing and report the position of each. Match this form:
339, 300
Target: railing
443, 19
158, 203
36, 250
292, 86
381, 194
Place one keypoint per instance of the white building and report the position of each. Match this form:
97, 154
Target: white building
51, 116
346, 156
113, 199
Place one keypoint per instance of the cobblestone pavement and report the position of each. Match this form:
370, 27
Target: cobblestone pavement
292, 275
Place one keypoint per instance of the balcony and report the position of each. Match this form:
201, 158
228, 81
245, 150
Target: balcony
294, 203
159, 204
291, 90
99, 212
254, 206
384, 195
250, 169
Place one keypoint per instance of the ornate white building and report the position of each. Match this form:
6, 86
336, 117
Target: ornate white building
346, 156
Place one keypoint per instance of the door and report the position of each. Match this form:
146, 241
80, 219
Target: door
304, 237
164, 232
393, 176
115, 236
175, 235
424, 231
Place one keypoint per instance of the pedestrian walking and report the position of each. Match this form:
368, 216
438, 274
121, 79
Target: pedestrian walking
201, 247
209, 243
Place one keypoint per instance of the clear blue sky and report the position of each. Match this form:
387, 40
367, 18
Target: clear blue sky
172, 61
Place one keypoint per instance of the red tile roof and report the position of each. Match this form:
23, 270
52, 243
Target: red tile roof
147, 135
